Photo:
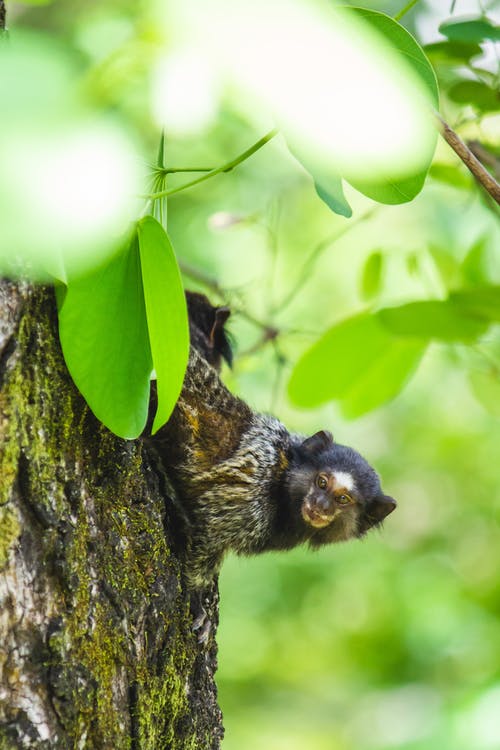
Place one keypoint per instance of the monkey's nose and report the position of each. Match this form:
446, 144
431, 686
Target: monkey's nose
323, 504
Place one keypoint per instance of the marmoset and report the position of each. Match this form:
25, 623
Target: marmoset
244, 482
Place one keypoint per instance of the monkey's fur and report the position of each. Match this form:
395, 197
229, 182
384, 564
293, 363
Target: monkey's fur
245, 483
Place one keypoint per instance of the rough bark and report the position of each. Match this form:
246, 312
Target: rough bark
96, 646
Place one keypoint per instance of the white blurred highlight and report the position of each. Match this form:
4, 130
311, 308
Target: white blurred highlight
221, 220
185, 94
69, 197
68, 180
334, 86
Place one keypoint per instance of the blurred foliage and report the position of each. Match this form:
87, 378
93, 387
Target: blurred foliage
392, 642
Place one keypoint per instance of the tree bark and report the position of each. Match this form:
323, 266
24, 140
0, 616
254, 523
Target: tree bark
96, 642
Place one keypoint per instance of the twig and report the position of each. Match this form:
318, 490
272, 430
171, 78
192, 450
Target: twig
2, 15
471, 162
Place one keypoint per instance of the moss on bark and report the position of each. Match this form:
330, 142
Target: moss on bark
96, 647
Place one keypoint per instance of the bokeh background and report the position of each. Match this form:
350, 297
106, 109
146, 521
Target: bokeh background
393, 641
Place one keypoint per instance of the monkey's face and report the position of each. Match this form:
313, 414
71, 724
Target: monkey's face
338, 492
330, 496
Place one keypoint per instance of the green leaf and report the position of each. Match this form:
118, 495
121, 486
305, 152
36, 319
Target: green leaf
452, 52
371, 279
433, 319
391, 193
334, 196
450, 174
404, 190
475, 265
385, 378
448, 267
481, 301
104, 337
357, 362
476, 93
470, 29
486, 388
406, 45
166, 313
327, 183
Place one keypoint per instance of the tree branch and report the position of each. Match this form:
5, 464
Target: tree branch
2, 15
471, 162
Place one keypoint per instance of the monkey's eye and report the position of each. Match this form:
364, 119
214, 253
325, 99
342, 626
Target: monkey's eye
322, 481
344, 499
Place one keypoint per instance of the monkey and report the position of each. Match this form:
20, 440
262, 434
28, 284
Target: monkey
243, 481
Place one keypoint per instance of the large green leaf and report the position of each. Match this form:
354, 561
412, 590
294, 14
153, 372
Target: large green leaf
400, 191
166, 314
104, 337
442, 320
357, 362
406, 46
328, 183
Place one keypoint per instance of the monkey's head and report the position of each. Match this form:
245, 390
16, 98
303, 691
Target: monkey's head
336, 494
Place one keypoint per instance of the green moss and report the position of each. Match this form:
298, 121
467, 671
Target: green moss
9, 531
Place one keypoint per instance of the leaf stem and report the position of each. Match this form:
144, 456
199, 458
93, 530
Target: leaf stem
218, 170
180, 170
471, 162
405, 10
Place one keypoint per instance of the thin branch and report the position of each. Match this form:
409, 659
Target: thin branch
471, 162
3, 15
405, 10
308, 264
270, 332
210, 282
218, 170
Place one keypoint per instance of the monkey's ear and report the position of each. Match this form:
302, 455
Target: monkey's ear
218, 336
318, 442
381, 507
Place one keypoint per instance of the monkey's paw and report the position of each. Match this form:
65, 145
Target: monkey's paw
202, 625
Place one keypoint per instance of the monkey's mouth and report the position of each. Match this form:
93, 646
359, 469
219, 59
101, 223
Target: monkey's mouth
315, 517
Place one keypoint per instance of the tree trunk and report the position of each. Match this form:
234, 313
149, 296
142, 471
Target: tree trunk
96, 645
